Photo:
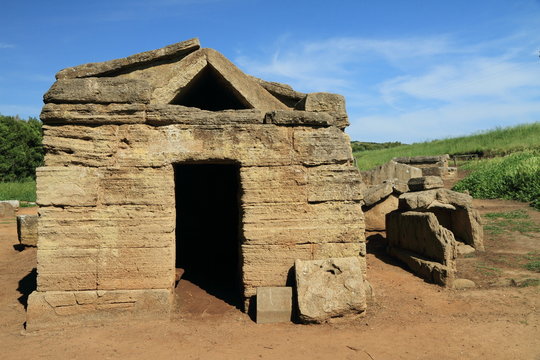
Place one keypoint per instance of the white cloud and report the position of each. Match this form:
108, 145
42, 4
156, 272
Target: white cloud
6, 45
413, 89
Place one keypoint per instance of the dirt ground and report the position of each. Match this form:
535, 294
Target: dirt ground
407, 319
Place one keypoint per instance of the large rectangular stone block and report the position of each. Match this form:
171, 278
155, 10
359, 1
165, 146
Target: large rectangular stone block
67, 269
98, 90
334, 182
297, 223
250, 145
136, 186
80, 145
58, 309
135, 268
128, 226
316, 146
93, 114
67, 186
272, 184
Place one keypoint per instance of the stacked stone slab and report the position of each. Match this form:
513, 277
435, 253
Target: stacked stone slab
430, 228
430, 165
112, 132
384, 185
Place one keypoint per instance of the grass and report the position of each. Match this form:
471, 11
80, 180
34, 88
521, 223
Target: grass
529, 282
23, 191
533, 263
488, 270
516, 220
513, 177
497, 142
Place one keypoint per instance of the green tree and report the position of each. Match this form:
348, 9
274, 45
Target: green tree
21, 149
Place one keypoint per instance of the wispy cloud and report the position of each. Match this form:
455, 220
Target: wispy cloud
6, 45
413, 89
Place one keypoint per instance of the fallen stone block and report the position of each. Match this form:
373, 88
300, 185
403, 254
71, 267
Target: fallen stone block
27, 229
392, 171
274, 304
428, 249
6, 209
425, 183
375, 215
329, 288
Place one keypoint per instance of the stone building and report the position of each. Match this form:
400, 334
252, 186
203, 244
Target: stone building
174, 158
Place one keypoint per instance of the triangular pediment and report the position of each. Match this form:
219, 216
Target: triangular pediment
207, 80
184, 74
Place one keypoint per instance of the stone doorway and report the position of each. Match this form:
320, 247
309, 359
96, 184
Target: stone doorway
208, 228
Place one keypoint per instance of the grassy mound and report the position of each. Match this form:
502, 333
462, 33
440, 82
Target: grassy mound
513, 177
498, 142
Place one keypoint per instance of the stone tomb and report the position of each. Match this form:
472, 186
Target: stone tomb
174, 158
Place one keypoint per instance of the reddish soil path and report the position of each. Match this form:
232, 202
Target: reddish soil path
408, 319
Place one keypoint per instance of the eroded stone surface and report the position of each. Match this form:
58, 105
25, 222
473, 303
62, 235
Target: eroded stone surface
425, 183
27, 229
113, 137
274, 304
423, 244
329, 288
391, 171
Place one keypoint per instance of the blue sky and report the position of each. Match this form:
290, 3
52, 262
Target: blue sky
410, 70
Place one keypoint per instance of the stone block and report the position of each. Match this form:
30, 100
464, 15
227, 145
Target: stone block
454, 211
274, 304
296, 223
421, 232
14, 203
376, 193
59, 309
329, 288
273, 184
425, 183
161, 115
111, 226
67, 269
334, 183
391, 171
112, 67
99, 90
136, 186
135, 268
318, 146
375, 215
63, 186
326, 102
27, 229
80, 145
298, 118
93, 114
6, 209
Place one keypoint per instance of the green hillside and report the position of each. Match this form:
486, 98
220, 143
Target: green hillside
500, 141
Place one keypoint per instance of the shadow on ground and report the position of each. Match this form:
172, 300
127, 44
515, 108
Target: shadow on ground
26, 285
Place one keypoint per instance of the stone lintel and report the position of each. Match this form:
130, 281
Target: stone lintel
117, 65
99, 91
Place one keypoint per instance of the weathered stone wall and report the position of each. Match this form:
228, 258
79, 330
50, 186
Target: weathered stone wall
106, 192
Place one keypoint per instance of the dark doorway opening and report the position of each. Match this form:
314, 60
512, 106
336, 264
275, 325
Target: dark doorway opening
208, 90
207, 228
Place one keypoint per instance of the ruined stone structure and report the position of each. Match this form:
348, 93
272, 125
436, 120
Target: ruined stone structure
431, 228
430, 165
174, 158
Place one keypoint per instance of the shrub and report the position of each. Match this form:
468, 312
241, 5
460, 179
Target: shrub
514, 177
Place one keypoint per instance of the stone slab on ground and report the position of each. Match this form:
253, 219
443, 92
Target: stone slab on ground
27, 229
274, 304
329, 288
425, 183
6, 209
